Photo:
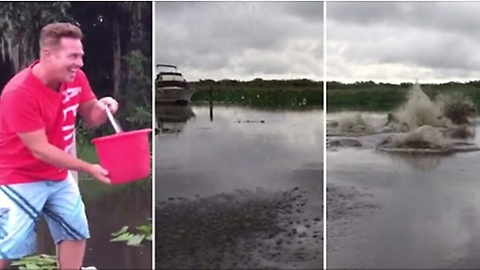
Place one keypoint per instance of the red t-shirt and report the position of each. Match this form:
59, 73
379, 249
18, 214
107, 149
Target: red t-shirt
26, 105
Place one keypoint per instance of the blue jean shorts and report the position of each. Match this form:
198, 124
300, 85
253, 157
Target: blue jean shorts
22, 206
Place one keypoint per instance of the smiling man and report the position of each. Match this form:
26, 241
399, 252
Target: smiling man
38, 109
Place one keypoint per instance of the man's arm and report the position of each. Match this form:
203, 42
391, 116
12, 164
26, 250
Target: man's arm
20, 113
38, 144
93, 114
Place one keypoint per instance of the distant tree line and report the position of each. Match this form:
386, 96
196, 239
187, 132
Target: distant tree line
331, 85
369, 95
258, 83
335, 85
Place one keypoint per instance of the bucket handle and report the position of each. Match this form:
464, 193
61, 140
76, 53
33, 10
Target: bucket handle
114, 123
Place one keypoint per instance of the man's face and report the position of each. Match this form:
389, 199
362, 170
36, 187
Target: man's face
65, 59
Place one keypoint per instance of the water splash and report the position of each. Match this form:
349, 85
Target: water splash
351, 123
427, 124
456, 107
418, 111
420, 123
424, 137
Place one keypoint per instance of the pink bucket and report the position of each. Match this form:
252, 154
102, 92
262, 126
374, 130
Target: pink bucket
125, 155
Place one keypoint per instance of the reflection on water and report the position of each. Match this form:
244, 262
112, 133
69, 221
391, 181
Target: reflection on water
222, 150
172, 119
109, 208
403, 211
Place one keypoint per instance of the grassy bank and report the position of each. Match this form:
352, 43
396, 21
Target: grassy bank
370, 96
262, 94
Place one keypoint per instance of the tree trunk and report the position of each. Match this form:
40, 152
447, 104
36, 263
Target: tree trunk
117, 58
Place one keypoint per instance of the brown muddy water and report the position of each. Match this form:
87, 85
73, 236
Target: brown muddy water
238, 188
399, 211
109, 208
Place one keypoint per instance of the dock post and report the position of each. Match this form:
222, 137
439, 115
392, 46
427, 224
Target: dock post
211, 103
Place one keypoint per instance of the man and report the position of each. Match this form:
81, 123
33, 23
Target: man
38, 108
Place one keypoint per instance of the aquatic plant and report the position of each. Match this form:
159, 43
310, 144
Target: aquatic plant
42, 261
133, 239
49, 262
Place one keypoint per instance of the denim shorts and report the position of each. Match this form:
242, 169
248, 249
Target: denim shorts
22, 206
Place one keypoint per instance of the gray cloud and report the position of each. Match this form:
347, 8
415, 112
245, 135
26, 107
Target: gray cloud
401, 41
241, 40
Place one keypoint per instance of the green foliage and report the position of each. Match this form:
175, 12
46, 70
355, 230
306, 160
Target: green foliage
141, 116
49, 262
137, 94
259, 93
258, 83
135, 111
27, 18
133, 239
42, 261
371, 96
374, 99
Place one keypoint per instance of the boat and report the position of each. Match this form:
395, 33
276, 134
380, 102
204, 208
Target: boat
171, 86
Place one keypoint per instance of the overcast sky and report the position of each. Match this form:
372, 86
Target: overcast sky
241, 40
402, 41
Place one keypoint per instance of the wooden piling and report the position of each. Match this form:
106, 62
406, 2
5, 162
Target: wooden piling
211, 103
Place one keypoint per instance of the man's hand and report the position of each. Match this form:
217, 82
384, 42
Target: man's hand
110, 102
99, 173
93, 112
38, 144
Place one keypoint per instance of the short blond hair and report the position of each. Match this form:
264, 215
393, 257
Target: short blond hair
52, 33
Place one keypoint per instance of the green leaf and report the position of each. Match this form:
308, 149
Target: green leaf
122, 230
43, 261
135, 240
122, 237
147, 229
30, 258
17, 263
47, 259
32, 266
149, 238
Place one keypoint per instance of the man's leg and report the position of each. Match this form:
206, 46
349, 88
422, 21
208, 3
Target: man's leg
70, 254
20, 207
66, 218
